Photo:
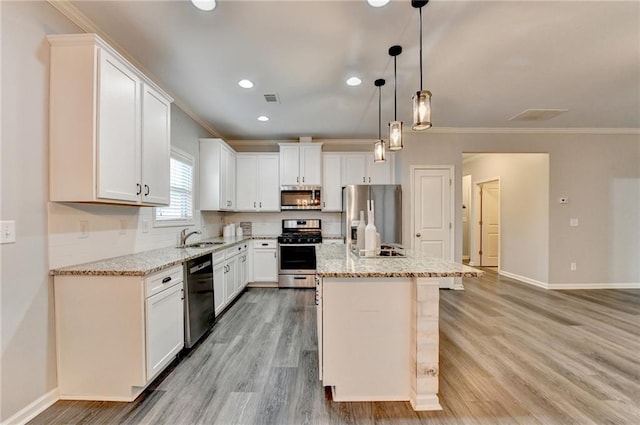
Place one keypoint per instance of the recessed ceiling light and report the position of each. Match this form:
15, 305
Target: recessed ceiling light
245, 84
205, 5
354, 81
263, 118
378, 3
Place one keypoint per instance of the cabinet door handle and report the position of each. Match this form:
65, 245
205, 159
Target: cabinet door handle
139, 186
418, 235
166, 279
297, 179
254, 204
369, 179
274, 255
182, 297
146, 186
260, 204
364, 179
324, 204
303, 180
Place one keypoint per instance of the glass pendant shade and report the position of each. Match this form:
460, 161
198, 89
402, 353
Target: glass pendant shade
378, 151
395, 135
422, 110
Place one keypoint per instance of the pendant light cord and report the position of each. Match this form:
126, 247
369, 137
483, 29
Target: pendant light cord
379, 112
421, 49
395, 86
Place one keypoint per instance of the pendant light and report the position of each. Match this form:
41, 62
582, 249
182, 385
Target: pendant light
422, 98
395, 126
378, 147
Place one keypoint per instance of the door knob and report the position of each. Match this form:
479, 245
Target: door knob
418, 235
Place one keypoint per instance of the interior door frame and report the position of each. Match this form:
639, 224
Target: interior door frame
455, 283
474, 231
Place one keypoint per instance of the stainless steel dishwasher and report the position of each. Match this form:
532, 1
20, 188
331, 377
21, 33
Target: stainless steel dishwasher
199, 298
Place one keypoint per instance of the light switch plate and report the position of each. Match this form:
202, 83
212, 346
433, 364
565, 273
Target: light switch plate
7, 231
573, 222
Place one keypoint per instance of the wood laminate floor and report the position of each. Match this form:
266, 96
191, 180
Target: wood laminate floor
510, 353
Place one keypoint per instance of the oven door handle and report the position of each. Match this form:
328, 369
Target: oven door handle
299, 244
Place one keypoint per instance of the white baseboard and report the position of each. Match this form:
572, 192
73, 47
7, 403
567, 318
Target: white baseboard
524, 279
34, 409
563, 286
566, 286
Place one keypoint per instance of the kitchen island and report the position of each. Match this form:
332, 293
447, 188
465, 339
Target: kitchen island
378, 325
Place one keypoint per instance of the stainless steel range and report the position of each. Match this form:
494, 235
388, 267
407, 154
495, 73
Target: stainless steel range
297, 246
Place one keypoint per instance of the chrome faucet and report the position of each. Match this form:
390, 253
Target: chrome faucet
184, 235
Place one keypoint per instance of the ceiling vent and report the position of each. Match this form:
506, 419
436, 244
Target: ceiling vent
271, 98
537, 114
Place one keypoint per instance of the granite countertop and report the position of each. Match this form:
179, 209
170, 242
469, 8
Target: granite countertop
337, 261
147, 262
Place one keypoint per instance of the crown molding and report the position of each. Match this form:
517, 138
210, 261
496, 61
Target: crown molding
81, 20
507, 130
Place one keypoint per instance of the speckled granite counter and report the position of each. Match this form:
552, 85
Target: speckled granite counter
144, 263
337, 261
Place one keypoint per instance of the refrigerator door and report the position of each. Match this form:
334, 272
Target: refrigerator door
387, 200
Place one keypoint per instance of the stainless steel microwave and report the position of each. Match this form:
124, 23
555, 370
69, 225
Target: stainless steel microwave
300, 198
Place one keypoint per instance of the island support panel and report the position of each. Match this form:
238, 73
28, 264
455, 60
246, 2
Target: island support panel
380, 340
425, 345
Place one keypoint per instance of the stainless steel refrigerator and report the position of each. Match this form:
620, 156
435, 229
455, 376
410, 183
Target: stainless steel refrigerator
387, 201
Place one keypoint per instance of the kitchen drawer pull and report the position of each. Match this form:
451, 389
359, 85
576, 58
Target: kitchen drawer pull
265, 244
300, 278
166, 279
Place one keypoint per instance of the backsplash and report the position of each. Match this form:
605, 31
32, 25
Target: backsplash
270, 224
112, 231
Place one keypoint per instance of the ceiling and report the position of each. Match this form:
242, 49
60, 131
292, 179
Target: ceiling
484, 62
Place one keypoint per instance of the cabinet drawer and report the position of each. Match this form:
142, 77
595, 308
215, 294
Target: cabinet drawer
265, 244
164, 279
219, 256
236, 250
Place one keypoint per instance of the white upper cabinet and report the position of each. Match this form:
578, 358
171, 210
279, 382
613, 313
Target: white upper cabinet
359, 168
217, 175
301, 164
331, 182
257, 182
156, 146
109, 134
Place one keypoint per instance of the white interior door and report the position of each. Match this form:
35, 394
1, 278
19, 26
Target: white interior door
432, 219
490, 223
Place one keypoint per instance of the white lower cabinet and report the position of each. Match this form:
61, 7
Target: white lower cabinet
230, 275
114, 334
265, 260
165, 328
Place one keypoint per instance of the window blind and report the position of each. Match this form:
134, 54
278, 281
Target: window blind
180, 208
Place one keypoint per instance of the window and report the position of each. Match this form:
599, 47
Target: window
180, 209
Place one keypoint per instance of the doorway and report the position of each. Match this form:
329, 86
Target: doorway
488, 223
432, 214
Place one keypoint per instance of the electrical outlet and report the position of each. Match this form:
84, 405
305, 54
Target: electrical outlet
146, 224
573, 267
7, 231
83, 228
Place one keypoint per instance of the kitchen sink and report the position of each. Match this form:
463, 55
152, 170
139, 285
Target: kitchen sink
203, 244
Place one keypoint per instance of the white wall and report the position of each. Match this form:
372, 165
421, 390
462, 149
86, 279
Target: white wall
599, 173
28, 362
524, 210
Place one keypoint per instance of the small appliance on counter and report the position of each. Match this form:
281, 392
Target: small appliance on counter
297, 249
